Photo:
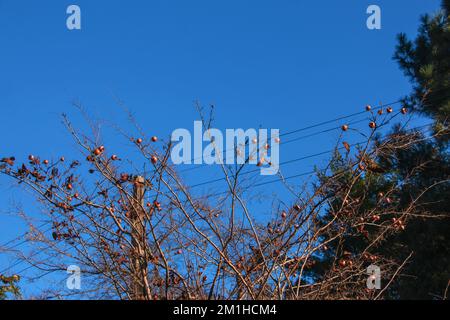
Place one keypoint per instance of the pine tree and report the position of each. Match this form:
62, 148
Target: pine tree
8, 285
426, 62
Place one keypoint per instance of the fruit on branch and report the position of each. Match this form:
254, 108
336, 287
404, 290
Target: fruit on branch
346, 146
31, 157
124, 177
380, 112
154, 159
297, 207
62, 159
368, 107
363, 231
398, 224
404, 110
114, 157
369, 257
376, 218
46, 162
389, 110
97, 152
139, 141
344, 127
69, 186
154, 138
9, 161
283, 214
372, 125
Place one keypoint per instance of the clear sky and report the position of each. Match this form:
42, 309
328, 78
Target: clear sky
276, 64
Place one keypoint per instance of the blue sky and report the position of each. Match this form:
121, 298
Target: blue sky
276, 64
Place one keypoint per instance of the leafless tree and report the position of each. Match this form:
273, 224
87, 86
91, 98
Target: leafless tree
140, 232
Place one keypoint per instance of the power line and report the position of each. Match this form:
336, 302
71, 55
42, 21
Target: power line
339, 118
289, 161
248, 172
255, 170
282, 135
308, 128
254, 185
308, 172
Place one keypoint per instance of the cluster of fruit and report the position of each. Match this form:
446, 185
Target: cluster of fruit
373, 124
139, 142
9, 161
398, 224
155, 205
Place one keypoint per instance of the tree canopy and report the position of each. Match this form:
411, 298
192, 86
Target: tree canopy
423, 245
